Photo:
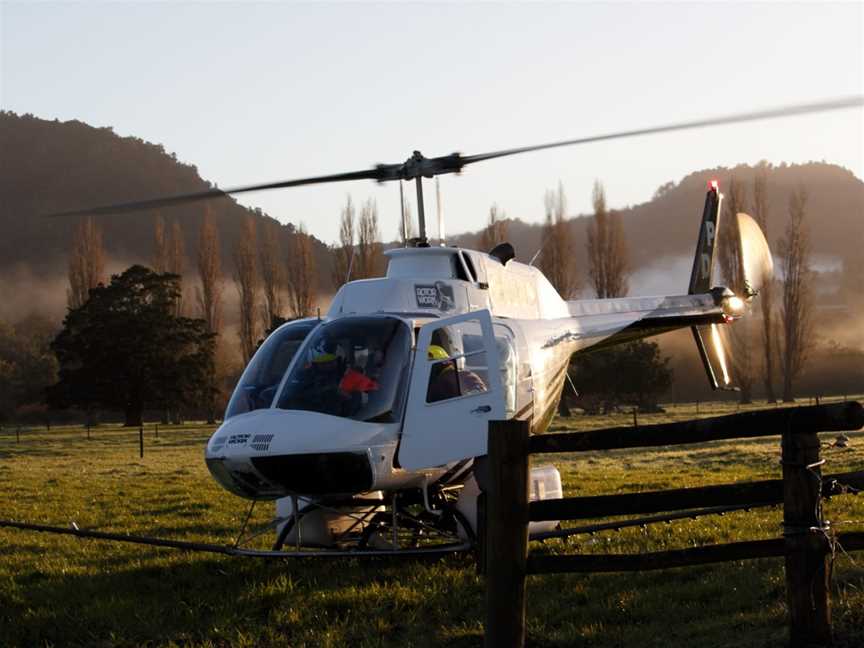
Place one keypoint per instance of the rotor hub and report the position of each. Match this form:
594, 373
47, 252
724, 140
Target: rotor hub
419, 166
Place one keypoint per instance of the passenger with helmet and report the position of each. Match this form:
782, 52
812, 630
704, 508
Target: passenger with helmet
355, 386
447, 380
320, 379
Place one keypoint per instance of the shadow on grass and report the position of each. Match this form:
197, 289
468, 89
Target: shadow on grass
161, 597
218, 600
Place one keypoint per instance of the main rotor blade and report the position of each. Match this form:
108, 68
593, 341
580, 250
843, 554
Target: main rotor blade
784, 111
419, 166
179, 199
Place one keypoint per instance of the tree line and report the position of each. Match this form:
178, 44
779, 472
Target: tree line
275, 284
127, 345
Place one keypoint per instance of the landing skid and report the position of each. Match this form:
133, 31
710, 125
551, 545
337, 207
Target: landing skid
403, 524
228, 550
399, 527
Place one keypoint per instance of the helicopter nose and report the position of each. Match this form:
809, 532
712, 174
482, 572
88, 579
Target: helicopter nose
318, 473
266, 454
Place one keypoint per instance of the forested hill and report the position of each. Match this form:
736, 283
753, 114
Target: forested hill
668, 224
50, 166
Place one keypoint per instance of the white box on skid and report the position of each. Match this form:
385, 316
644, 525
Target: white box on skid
544, 482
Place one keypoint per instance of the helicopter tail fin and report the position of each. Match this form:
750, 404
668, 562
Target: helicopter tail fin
751, 267
708, 340
703, 264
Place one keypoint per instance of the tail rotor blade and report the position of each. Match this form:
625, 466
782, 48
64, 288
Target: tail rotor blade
757, 265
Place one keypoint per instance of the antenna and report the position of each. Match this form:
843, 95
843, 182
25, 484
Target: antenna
350, 264
536, 254
441, 236
404, 222
421, 214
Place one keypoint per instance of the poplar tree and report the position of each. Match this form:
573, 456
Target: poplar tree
209, 298
495, 231
742, 336
248, 281
369, 260
86, 262
607, 249
796, 309
343, 254
766, 292
302, 277
272, 275
556, 252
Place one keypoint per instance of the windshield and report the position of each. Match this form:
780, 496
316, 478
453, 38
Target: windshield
261, 379
354, 367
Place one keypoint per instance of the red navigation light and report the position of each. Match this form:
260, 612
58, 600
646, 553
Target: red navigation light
714, 185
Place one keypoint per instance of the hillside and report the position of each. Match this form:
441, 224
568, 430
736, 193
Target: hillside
50, 166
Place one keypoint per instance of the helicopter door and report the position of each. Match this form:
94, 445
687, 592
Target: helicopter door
455, 391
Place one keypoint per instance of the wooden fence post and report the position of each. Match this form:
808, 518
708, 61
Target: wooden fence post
807, 545
506, 533
481, 534
141, 441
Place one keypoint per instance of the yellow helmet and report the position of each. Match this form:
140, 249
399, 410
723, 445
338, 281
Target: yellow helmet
435, 352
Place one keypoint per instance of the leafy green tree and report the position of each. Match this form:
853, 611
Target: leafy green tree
27, 365
125, 349
631, 374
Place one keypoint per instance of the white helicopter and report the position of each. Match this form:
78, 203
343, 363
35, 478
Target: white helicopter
368, 426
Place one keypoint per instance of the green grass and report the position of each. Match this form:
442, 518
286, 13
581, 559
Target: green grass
57, 591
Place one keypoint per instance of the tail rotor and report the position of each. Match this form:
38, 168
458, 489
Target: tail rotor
748, 263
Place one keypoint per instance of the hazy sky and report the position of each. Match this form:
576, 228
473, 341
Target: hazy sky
254, 92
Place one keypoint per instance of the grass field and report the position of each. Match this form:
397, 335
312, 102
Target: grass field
57, 591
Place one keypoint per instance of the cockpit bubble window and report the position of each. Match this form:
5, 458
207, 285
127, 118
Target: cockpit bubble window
353, 367
260, 380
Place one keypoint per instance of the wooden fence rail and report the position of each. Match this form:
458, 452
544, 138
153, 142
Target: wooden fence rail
836, 417
807, 539
760, 493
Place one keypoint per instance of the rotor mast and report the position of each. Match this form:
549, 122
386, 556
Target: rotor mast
416, 168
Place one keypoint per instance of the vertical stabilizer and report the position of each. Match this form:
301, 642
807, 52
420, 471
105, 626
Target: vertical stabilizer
703, 264
701, 280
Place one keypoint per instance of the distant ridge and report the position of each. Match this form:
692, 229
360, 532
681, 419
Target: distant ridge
667, 224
